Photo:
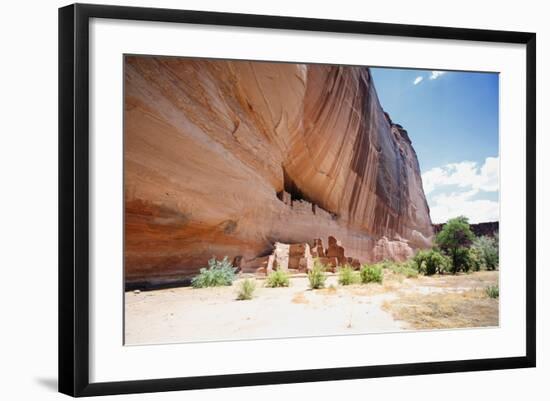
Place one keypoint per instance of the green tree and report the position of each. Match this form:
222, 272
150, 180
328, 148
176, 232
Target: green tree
487, 248
455, 239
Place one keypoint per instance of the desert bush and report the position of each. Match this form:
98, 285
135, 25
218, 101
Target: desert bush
347, 276
431, 261
218, 273
464, 260
317, 275
487, 250
492, 291
477, 260
371, 274
246, 290
407, 269
277, 278
388, 264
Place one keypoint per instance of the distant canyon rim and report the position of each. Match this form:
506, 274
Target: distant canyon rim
228, 158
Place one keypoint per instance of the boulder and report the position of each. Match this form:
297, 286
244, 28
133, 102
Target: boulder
392, 250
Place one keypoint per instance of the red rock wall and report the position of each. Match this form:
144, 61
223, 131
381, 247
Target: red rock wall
210, 144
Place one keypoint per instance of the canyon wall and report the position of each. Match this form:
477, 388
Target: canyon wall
225, 158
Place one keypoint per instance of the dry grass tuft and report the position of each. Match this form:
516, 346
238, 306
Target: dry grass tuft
470, 308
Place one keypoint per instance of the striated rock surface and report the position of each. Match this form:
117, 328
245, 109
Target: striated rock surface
229, 157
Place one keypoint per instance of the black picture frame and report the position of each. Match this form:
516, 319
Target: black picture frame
74, 200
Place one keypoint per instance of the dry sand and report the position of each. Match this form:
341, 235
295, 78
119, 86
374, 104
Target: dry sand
213, 314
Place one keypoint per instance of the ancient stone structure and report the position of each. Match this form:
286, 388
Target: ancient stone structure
228, 158
299, 258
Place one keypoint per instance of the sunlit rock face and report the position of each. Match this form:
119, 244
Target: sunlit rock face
226, 158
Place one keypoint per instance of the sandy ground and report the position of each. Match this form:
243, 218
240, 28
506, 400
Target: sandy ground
213, 314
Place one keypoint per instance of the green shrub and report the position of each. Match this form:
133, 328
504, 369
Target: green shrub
492, 291
277, 278
371, 274
407, 269
487, 250
316, 275
431, 261
218, 273
246, 290
347, 276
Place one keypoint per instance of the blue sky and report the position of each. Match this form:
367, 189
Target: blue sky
452, 120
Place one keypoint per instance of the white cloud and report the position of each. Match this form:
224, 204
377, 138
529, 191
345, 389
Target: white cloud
465, 174
437, 74
433, 75
446, 206
456, 184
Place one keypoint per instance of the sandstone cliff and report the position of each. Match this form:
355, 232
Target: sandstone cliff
230, 157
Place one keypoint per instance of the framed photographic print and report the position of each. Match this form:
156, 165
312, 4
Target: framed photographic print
249, 199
